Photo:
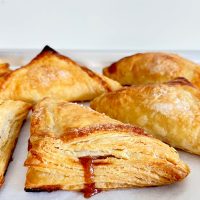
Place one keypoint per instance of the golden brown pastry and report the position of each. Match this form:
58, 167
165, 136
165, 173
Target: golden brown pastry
72, 147
12, 115
4, 71
169, 111
4, 68
53, 75
153, 68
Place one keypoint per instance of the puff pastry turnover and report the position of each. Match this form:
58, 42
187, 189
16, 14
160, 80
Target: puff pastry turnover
72, 147
153, 68
12, 115
169, 111
53, 75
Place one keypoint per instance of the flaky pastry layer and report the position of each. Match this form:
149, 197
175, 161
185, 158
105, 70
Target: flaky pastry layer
62, 134
12, 115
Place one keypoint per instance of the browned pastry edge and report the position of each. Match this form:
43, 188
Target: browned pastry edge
180, 81
50, 188
112, 68
6, 75
29, 145
81, 132
45, 188
5, 71
4, 65
48, 50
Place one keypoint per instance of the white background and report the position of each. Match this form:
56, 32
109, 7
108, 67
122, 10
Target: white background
100, 24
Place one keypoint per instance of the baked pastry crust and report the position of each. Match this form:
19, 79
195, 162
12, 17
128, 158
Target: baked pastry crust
153, 67
168, 111
64, 134
4, 68
12, 115
4, 71
53, 75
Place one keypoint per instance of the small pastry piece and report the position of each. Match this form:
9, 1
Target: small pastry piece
4, 68
12, 115
4, 71
153, 68
169, 111
72, 147
53, 75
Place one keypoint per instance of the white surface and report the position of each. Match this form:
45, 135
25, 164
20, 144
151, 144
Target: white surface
13, 187
104, 24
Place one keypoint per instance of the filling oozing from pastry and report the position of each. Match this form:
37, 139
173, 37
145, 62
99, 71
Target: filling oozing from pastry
89, 186
90, 152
